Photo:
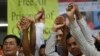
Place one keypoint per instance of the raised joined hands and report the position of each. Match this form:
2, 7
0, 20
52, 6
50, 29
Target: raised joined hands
24, 23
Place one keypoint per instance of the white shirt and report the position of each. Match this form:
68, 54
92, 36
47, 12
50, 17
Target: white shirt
39, 36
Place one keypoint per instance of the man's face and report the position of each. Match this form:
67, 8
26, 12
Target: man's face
59, 36
72, 47
42, 52
10, 46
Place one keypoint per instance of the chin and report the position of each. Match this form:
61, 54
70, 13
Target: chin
8, 53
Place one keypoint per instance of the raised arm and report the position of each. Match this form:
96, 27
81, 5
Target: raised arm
50, 45
24, 26
84, 27
32, 37
86, 48
51, 42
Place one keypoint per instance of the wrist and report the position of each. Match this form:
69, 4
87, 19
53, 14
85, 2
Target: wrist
26, 30
71, 18
78, 15
54, 30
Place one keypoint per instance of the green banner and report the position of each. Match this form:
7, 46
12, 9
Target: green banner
18, 8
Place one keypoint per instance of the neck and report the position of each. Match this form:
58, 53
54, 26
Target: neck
78, 55
10, 55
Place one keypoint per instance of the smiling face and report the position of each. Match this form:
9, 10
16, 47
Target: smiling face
72, 47
10, 47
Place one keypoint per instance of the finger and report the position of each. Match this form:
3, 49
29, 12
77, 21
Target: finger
69, 7
18, 26
61, 25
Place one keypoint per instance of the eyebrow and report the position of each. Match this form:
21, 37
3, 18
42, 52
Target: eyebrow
9, 42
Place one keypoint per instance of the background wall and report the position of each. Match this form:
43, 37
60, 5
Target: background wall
3, 19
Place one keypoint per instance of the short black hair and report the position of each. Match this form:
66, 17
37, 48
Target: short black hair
12, 36
1, 46
68, 35
42, 46
64, 15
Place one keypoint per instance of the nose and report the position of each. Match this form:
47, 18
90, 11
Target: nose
59, 38
8, 45
72, 46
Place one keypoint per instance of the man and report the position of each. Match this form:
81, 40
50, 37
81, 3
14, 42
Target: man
72, 47
36, 33
50, 45
10, 45
79, 30
39, 24
42, 50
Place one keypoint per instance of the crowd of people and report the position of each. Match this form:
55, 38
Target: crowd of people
70, 36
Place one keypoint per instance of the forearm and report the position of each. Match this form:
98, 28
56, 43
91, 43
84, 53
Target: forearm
86, 31
86, 48
25, 42
32, 38
78, 14
50, 45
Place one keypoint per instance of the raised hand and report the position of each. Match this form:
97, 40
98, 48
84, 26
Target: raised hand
59, 20
25, 23
77, 12
59, 23
71, 11
40, 15
19, 27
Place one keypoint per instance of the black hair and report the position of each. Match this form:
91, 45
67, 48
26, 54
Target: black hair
42, 46
64, 15
68, 33
68, 36
12, 36
1, 46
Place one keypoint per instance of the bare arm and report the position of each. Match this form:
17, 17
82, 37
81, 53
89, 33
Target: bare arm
24, 25
50, 45
25, 43
32, 38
